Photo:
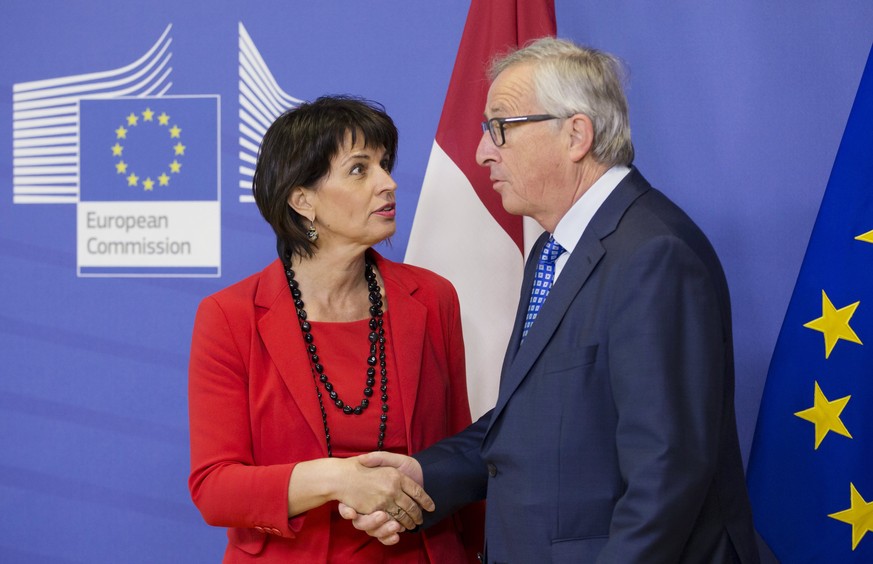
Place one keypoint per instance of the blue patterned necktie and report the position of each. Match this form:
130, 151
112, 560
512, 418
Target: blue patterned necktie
543, 279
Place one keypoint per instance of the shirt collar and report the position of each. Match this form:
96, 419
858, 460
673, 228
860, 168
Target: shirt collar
570, 228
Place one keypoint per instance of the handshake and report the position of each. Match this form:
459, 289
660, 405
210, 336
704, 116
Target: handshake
381, 503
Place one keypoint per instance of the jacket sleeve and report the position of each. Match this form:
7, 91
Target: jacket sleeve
454, 474
226, 485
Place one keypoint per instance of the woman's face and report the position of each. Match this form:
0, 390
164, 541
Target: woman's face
354, 202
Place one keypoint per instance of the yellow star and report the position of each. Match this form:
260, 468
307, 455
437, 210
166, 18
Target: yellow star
148, 114
116, 150
859, 515
175, 166
121, 133
121, 167
180, 149
132, 179
163, 179
163, 119
132, 119
825, 415
175, 132
866, 237
148, 184
834, 323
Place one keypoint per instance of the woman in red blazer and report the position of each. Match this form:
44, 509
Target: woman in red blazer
329, 352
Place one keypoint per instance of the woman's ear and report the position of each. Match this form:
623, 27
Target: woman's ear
581, 136
298, 200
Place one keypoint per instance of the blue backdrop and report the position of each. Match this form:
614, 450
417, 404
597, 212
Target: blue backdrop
737, 112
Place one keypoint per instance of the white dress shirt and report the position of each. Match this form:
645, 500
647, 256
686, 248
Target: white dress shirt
570, 228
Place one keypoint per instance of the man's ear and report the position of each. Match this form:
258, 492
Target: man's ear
581, 136
299, 201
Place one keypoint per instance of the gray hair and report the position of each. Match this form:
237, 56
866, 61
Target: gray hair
569, 79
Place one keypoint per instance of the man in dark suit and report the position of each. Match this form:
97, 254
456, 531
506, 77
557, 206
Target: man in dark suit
614, 436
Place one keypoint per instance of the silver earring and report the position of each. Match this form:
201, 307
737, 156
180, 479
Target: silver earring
311, 233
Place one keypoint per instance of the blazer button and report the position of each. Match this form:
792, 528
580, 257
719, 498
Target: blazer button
492, 469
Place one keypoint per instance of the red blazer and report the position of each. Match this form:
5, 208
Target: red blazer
253, 415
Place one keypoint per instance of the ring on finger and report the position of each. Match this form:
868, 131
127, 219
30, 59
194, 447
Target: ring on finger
396, 513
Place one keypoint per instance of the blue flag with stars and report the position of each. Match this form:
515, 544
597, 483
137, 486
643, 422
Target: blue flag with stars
811, 467
149, 149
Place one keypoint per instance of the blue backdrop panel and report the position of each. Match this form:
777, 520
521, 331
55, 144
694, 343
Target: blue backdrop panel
737, 112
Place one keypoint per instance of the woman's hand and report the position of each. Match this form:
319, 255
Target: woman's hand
373, 483
369, 483
380, 524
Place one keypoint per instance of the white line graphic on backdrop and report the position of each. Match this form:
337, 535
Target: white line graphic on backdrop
45, 122
261, 101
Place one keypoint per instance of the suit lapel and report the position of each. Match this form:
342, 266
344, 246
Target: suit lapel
523, 300
589, 251
407, 331
280, 332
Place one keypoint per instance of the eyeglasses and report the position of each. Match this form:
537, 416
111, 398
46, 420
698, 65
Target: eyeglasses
495, 126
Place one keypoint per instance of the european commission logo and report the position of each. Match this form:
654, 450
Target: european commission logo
141, 166
148, 201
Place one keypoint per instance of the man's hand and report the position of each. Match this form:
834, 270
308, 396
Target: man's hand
406, 464
385, 525
378, 524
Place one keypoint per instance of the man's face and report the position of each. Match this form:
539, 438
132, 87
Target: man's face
527, 170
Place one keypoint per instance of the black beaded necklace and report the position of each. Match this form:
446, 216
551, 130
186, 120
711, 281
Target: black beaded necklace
377, 342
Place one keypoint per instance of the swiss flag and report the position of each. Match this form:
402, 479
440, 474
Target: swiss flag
461, 230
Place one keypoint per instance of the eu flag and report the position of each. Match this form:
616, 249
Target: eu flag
149, 149
811, 466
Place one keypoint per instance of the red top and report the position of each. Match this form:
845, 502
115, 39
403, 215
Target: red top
254, 415
343, 348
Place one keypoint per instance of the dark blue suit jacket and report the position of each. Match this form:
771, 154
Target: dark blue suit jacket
614, 436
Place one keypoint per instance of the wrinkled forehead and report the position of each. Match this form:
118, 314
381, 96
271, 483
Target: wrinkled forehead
512, 92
